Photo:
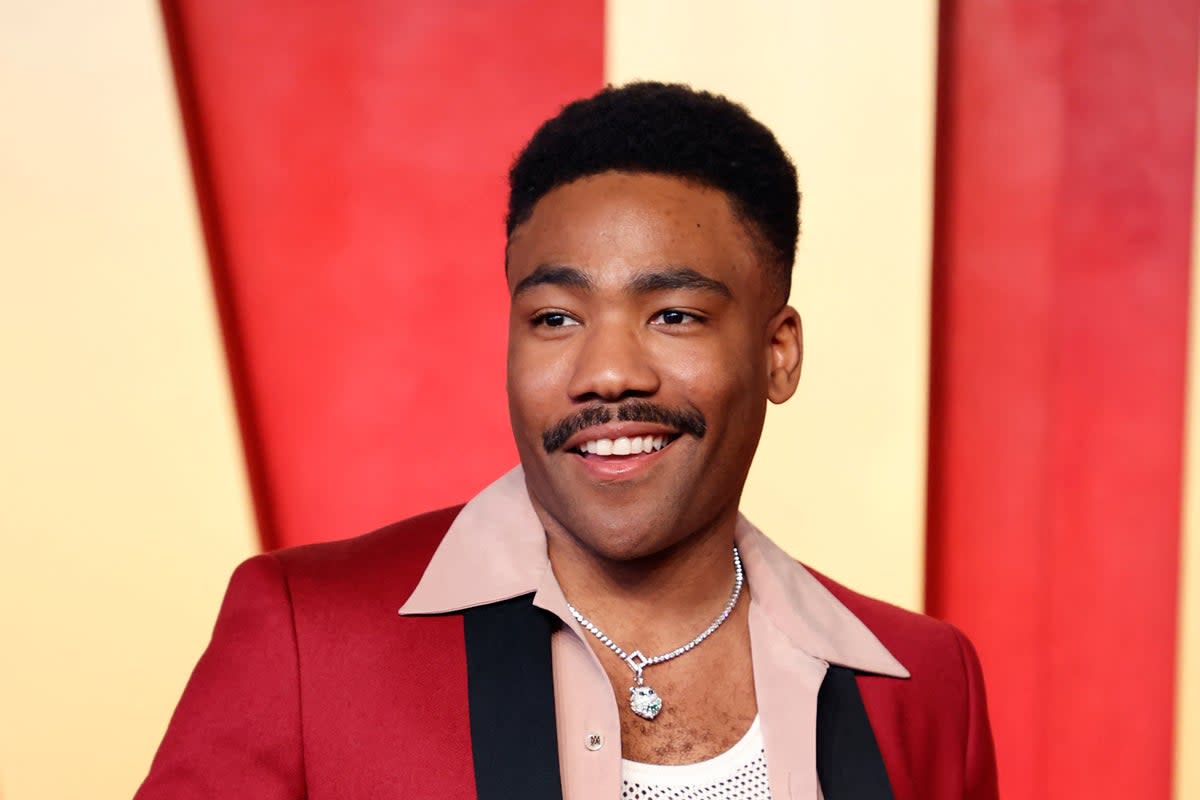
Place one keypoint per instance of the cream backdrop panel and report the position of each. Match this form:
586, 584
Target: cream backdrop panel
123, 506
849, 89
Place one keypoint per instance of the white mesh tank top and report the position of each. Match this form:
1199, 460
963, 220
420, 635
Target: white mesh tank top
740, 773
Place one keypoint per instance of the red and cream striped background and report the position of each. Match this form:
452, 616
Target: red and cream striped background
253, 296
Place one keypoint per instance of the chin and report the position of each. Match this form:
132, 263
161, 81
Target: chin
623, 547
617, 537
620, 521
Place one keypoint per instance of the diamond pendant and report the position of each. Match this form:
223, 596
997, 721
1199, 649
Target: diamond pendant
644, 701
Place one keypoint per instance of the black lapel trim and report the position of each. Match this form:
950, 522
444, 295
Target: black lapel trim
510, 688
849, 763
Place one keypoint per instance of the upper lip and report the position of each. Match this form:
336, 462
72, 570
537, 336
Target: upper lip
615, 430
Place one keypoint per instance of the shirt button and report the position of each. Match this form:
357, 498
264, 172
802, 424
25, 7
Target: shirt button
594, 741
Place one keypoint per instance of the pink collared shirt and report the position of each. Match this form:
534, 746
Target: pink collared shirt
496, 550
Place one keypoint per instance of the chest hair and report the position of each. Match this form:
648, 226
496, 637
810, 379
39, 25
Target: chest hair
708, 700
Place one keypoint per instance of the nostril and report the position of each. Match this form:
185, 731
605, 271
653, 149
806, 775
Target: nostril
599, 396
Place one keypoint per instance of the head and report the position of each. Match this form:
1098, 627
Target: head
651, 235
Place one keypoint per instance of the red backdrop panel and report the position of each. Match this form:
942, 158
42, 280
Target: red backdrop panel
350, 159
1065, 150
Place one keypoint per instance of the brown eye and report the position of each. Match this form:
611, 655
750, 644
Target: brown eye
554, 319
673, 316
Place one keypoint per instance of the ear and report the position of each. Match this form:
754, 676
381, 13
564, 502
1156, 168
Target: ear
785, 352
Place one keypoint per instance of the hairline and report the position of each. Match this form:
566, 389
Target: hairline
776, 264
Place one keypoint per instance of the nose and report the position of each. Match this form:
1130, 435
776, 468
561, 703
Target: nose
612, 364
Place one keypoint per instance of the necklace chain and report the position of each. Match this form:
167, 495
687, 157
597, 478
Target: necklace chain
638, 662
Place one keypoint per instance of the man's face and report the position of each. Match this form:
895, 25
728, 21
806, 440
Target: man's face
645, 338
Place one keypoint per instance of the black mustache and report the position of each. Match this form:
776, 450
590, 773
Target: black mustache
688, 420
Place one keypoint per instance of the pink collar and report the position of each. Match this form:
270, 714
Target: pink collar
496, 550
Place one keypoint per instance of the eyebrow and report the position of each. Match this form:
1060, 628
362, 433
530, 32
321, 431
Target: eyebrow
657, 280
553, 275
677, 278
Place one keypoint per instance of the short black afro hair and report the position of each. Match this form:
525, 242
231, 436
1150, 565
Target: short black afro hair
668, 129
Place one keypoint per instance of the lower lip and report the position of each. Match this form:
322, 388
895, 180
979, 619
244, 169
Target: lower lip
611, 467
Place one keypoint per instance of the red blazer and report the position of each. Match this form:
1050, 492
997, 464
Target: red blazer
315, 687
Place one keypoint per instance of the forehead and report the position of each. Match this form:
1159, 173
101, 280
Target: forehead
614, 223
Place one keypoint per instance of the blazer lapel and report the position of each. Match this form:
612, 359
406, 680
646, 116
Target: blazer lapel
510, 688
849, 764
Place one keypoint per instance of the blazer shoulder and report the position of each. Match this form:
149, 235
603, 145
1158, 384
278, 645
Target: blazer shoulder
392, 558
942, 706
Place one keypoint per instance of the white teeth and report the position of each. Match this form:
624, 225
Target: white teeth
624, 445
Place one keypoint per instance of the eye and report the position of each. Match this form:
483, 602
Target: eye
673, 316
554, 319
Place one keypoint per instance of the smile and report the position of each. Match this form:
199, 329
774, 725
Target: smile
622, 445
619, 451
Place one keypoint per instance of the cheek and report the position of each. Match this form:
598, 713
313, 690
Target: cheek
736, 406
536, 380
721, 380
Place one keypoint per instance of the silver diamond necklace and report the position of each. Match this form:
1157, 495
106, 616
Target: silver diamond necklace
643, 700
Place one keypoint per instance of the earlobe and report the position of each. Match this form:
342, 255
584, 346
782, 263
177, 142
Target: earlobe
786, 350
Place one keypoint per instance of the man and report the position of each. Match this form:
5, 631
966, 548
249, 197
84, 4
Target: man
600, 622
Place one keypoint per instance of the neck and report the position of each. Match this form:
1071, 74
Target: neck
652, 602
